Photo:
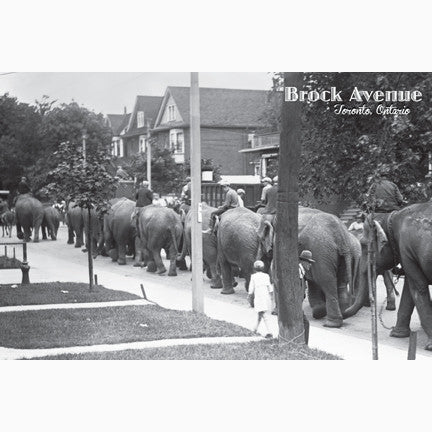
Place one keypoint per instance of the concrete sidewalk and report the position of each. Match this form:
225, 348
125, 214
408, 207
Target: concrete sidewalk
165, 291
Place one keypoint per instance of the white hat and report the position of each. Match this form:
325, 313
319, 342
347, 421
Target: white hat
266, 179
224, 183
241, 191
258, 265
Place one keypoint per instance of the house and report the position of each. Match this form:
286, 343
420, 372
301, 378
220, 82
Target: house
118, 124
141, 120
263, 152
229, 117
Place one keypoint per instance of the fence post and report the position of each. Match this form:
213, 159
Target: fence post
25, 268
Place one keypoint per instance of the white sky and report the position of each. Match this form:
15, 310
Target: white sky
110, 92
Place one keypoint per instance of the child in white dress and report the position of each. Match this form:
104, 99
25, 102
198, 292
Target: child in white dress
261, 288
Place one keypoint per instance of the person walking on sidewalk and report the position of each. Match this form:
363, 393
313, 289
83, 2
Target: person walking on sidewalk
261, 289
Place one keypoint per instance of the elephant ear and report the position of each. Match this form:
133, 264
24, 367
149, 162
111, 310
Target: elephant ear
265, 234
368, 232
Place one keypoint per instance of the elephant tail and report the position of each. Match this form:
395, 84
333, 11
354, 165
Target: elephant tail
174, 240
181, 256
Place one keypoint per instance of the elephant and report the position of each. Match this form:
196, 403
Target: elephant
159, 228
209, 245
238, 244
337, 258
7, 220
75, 223
388, 282
29, 215
50, 222
120, 230
404, 237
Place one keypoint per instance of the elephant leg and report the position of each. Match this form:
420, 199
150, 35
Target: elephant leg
161, 269
139, 253
247, 281
20, 234
419, 289
334, 315
70, 235
216, 281
27, 234
44, 234
173, 265
79, 238
227, 277
113, 254
406, 308
316, 300
121, 260
343, 296
391, 299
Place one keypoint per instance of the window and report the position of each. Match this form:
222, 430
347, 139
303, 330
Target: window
177, 141
140, 119
171, 113
142, 144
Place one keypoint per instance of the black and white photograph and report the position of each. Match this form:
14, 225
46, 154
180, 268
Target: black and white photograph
218, 216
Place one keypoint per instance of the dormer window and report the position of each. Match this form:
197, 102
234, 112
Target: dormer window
140, 119
171, 113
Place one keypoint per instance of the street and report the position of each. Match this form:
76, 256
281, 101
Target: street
57, 261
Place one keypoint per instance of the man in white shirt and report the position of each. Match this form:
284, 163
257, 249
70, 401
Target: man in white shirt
241, 194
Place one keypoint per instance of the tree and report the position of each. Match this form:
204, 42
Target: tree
357, 147
85, 181
20, 143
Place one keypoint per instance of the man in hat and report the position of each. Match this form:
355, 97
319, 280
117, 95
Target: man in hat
386, 194
241, 196
271, 201
185, 195
267, 184
357, 225
231, 201
305, 264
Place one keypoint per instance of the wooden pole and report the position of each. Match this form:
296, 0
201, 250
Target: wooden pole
148, 157
89, 250
195, 164
289, 291
371, 266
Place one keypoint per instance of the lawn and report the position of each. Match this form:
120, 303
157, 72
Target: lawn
110, 325
262, 350
58, 292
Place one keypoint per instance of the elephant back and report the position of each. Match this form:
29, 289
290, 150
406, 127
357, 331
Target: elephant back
239, 226
28, 207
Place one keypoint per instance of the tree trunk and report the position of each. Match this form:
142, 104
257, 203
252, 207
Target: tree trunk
290, 293
89, 250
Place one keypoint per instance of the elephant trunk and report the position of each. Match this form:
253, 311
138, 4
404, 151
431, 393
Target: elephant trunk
360, 298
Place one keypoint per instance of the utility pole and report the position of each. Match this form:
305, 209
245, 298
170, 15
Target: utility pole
289, 291
195, 163
148, 155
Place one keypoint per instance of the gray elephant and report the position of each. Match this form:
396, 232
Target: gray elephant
50, 222
238, 244
337, 255
119, 230
29, 215
209, 245
404, 237
75, 223
159, 228
388, 282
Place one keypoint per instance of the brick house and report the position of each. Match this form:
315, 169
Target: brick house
229, 118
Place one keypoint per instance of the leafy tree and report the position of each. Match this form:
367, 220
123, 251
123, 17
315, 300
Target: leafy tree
20, 144
85, 181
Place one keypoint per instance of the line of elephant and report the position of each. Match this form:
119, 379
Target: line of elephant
242, 236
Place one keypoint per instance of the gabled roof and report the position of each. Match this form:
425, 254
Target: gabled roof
117, 122
219, 107
150, 106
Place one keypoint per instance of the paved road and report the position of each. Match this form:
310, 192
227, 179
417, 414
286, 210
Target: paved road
55, 260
